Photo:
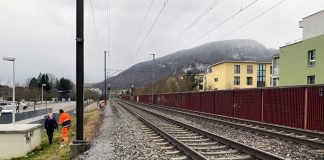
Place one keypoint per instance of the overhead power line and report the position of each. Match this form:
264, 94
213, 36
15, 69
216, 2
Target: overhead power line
95, 25
142, 25
211, 6
151, 28
194, 22
108, 26
222, 23
251, 20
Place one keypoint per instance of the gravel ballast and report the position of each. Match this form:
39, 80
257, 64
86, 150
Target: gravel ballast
121, 137
279, 147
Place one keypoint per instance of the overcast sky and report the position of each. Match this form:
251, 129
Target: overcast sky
40, 33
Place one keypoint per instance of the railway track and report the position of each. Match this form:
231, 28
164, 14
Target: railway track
306, 137
193, 142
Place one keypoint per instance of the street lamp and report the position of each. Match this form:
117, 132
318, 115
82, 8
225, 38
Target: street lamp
13, 86
43, 85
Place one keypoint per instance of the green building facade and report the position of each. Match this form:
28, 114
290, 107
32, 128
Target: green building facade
302, 63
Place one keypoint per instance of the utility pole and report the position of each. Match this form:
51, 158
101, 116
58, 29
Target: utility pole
153, 77
80, 144
105, 52
79, 68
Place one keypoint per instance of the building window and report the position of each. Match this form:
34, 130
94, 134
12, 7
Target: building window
261, 75
249, 81
236, 80
215, 79
270, 69
275, 82
275, 67
249, 69
237, 69
311, 79
311, 57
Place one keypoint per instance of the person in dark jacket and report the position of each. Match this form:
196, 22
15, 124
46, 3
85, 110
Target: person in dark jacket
50, 126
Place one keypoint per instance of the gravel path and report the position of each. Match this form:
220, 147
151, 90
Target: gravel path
279, 147
121, 137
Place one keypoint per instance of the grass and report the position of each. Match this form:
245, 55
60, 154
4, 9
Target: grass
92, 120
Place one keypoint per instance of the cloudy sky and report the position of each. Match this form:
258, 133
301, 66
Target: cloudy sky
40, 33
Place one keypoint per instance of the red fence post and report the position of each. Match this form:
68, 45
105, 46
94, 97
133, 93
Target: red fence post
305, 107
262, 104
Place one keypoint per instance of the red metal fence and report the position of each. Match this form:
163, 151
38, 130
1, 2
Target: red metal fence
301, 107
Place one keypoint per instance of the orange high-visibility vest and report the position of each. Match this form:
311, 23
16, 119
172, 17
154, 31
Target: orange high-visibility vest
65, 120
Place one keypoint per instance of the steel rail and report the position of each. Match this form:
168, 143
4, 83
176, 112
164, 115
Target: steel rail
187, 150
272, 126
211, 117
244, 148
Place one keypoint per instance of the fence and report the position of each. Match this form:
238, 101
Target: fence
301, 107
5, 119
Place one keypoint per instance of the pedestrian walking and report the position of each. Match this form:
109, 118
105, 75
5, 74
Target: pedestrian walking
65, 121
50, 126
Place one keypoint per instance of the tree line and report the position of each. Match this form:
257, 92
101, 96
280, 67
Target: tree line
31, 90
184, 83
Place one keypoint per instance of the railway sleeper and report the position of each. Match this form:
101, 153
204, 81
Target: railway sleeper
246, 157
211, 147
179, 158
195, 140
173, 152
230, 151
189, 137
203, 144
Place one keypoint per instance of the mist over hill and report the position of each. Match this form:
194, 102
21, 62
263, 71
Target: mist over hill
195, 60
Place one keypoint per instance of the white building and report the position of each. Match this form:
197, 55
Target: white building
313, 25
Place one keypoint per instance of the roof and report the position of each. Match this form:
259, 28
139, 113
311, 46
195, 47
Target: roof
240, 62
313, 14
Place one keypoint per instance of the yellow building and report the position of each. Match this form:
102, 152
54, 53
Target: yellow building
237, 75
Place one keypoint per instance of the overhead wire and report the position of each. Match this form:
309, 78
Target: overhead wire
251, 20
151, 28
141, 27
95, 25
194, 22
211, 6
222, 23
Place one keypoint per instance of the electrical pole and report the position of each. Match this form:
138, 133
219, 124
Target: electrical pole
79, 68
105, 52
153, 77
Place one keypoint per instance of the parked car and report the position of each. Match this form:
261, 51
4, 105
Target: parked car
8, 108
2, 104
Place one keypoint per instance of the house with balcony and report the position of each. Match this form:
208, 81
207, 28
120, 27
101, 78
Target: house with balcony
302, 62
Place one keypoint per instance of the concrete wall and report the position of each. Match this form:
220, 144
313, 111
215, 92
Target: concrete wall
19, 139
293, 62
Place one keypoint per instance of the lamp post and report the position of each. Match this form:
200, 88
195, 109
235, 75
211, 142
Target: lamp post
43, 85
13, 86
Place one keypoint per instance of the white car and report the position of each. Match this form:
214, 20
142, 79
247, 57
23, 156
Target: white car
8, 108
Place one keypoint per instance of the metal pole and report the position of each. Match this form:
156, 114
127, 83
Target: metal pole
13, 94
153, 77
42, 95
79, 68
105, 78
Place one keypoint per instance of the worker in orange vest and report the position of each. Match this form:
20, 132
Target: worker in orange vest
65, 121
